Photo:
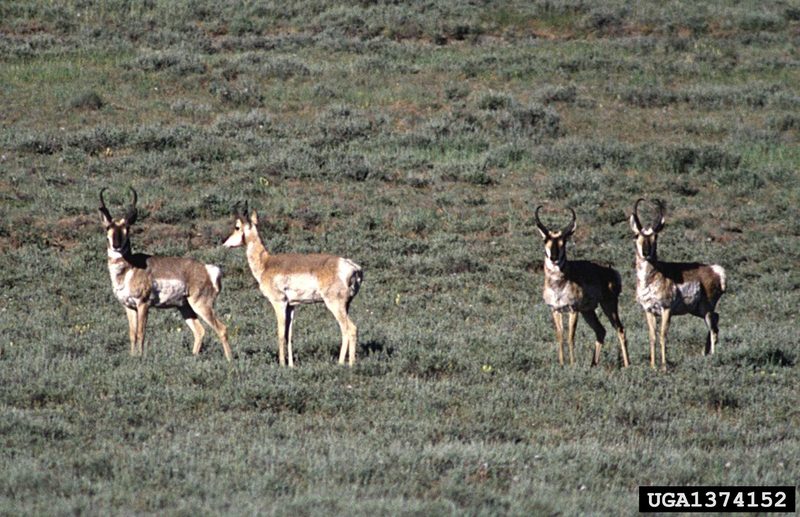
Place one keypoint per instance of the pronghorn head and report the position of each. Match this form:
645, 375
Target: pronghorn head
244, 227
555, 243
647, 237
117, 232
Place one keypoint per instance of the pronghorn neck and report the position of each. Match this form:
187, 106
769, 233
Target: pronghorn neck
555, 272
118, 266
646, 269
556, 266
122, 254
257, 254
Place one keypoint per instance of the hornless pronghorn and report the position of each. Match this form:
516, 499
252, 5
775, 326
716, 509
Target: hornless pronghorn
289, 280
142, 281
673, 288
578, 286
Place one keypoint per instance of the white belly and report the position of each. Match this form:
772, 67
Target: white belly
687, 297
168, 293
682, 299
564, 300
297, 289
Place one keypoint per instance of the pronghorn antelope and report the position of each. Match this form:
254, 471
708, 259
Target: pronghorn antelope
673, 288
289, 280
578, 286
142, 281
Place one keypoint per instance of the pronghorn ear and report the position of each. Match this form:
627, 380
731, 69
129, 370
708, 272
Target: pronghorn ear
660, 225
634, 225
542, 233
254, 218
105, 218
569, 231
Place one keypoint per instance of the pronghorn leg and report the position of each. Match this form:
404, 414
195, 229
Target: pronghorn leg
280, 315
573, 324
599, 332
348, 328
141, 323
352, 335
611, 311
651, 329
190, 317
206, 312
665, 315
289, 325
558, 323
712, 321
131, 314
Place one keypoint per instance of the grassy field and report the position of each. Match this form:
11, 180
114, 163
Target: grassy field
415, 139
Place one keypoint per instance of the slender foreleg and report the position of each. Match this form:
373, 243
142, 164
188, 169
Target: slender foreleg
651, 330
665, 315
559, 326
573, 324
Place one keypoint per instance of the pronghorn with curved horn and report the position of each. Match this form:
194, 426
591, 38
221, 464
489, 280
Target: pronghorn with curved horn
142, 281
673, 288
289, 280
579, 286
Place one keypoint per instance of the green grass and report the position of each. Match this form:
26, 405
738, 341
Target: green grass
416, 140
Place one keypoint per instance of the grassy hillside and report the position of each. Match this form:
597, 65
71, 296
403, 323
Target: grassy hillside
416, 139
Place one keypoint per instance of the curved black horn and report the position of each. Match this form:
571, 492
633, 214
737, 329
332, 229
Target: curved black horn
569, 227
636, 214
130, 215
539, 224
103, 209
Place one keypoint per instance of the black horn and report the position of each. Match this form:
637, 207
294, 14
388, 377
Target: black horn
658, 222
636, 214
103, 209
130, 215
539, 224
570, 227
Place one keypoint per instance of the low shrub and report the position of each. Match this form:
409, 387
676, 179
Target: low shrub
89, 100
176, 62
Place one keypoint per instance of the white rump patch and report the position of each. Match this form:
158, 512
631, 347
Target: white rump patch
345, 269
720, 271
214, 273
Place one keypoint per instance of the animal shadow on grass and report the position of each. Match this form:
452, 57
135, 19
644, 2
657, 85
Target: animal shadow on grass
377, 348
369, 348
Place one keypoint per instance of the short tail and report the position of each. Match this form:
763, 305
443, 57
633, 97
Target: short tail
215, 274
615, 284
355, 281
